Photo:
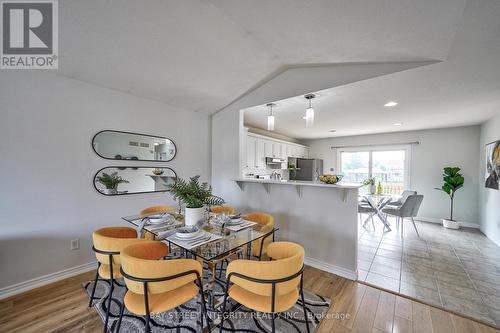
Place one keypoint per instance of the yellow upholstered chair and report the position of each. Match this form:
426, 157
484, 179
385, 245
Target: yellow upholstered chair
108, 243
155, 286
228, 210
268, 286
154, 210
259, 246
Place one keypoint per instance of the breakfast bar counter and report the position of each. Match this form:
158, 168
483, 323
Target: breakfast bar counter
321, 217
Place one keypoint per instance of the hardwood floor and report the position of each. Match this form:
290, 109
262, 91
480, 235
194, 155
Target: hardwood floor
62, 307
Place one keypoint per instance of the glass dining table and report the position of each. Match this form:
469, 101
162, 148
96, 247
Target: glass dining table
228, 245
377, 202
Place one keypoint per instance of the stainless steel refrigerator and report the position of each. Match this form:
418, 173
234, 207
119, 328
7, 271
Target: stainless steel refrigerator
307, 169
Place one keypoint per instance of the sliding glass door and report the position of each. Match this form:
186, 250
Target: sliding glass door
390, 165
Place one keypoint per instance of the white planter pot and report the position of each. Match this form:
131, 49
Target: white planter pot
373, 189
110, 191
451, 224
193, 215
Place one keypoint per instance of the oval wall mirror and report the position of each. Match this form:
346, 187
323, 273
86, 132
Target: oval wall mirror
117, 145
132, 180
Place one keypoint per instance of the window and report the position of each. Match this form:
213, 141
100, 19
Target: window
390, 165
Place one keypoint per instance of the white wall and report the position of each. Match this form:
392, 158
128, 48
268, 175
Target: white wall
438, 148
489, 199
47, 166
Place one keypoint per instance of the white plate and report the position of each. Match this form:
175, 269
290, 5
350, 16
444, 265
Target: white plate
235, 221
156, 219
183, 233
199, 235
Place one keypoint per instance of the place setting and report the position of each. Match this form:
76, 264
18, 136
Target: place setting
233, 222
189, 237
158, 222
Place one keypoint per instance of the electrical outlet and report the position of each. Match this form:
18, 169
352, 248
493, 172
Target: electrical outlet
332, 169
75, 244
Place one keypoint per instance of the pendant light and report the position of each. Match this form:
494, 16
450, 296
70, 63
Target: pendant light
270, 118
309, 111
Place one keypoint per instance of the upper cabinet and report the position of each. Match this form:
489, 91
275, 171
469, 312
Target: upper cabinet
117, 145
260, 153
259, 147
251, 149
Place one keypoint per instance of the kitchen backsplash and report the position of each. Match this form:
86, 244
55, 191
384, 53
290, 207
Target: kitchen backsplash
252, 172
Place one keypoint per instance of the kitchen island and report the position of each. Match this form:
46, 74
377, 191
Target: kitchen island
321, 217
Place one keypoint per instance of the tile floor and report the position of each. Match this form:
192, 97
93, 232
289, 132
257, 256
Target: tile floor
458, 270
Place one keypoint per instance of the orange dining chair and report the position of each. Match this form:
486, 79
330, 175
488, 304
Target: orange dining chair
259, 246
228, 210
268, 286
108, 244
155, 286
154, 210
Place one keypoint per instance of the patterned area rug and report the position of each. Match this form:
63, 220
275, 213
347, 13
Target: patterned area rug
186, 318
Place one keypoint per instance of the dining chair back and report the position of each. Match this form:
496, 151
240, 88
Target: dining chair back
268, 286
228, 210
154, 285
409, 209
411, 206
108, 244
406, 194
154, 210
259, 246
366, 208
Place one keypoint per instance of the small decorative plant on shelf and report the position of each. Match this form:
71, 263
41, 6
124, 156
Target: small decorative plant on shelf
195, 196
453, 181
371, 183
111, 182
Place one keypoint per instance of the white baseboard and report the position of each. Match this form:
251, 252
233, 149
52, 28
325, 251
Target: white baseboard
438, 221
340, 271
46, 279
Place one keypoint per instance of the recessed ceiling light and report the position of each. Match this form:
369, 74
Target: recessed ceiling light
398, 124
390, 104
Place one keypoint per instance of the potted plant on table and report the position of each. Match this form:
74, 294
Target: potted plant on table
195, 196
453, 181
371, 183
111, 182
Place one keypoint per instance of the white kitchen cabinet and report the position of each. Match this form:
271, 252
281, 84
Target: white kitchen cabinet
260, 153
276, 149
259, 147
301, 152
268, 148
279, 149
251, 149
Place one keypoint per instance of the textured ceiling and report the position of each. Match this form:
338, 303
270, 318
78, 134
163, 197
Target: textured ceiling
202, 55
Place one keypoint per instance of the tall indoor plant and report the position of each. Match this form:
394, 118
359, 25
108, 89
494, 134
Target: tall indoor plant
195, 196
453, 181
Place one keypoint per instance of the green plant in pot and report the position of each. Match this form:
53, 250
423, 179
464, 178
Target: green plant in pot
195, 196
453, 181
111, 182
371, 183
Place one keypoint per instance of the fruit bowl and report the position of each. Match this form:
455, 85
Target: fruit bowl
330, 179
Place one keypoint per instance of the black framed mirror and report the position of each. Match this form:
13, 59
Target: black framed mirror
118, 145
120, 180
